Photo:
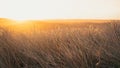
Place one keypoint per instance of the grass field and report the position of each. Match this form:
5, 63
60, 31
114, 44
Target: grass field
60, 45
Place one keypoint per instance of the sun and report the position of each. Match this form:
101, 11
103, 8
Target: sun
18, 19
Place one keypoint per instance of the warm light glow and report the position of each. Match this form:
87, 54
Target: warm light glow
60, 9
20, 21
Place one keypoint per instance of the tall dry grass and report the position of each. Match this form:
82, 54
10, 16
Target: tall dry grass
90, 45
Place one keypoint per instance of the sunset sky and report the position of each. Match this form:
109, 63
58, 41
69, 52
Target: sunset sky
60, 9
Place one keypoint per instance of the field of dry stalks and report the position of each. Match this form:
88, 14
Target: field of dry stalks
74, 45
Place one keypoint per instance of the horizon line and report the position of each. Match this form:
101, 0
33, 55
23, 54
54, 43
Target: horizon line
56, 19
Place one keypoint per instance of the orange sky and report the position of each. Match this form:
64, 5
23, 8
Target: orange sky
60, 9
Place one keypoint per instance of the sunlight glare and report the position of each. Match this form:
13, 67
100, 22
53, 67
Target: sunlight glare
60, 9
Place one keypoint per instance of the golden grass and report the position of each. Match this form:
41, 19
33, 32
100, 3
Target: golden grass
61, 45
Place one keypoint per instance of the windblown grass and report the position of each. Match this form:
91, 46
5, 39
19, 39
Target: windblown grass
89, 45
